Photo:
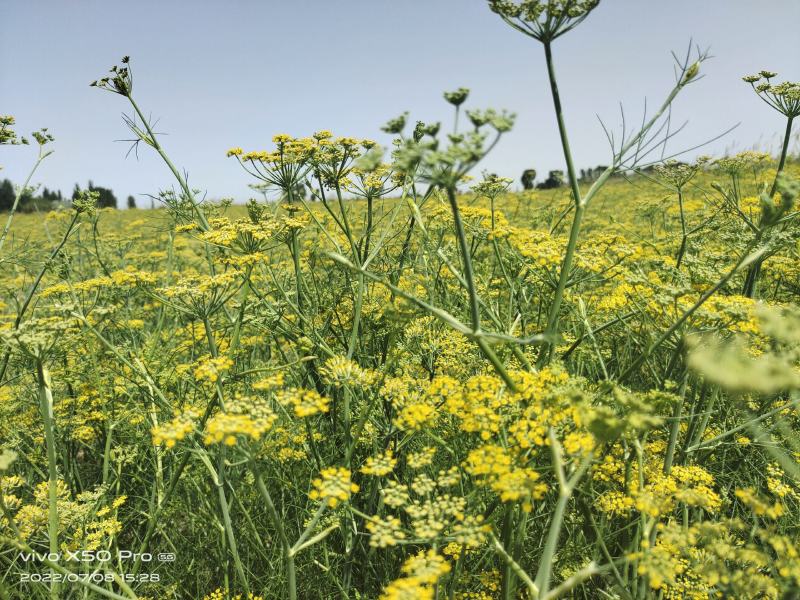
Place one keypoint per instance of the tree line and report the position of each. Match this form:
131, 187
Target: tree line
44, 199
556, 178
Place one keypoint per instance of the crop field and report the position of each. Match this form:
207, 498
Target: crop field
391, 377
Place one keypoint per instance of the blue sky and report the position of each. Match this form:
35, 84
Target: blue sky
233, 73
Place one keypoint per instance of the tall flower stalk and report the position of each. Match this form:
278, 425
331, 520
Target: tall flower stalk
42, 139
120, 82
546, 22
784, 98
676, 176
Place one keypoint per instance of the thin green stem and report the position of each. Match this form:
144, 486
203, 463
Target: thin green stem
562, 128
277, 521
48, 263
784, 151
684, 235
746, 258
466, 260
566, 265
675, 427
533, 590
153, 141
565, 490
46, 410
18, 197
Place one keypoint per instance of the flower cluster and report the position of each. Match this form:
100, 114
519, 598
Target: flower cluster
783, 97
304, 403
333, 486
420, 574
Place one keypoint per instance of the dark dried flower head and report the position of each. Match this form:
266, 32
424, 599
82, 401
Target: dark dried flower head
120, 82
42, 137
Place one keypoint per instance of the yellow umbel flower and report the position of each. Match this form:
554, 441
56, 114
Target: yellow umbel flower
304, 402
380, 465
333, 486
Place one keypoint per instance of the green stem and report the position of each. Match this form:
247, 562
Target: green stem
466, 259
675, 427
291, 577
107, 451
351, 347
297, 273
784, 152
753, 273
746, 257
684, 236
153, 141
562, 128
226, 517
48, 263
533, 590
46, 408
555, 307
745, 425
507, 586
474, 302
21, 191
220, 480
565, 489
553, 314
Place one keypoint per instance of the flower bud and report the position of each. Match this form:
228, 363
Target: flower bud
691, 73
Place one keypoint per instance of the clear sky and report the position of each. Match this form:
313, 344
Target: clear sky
233, 73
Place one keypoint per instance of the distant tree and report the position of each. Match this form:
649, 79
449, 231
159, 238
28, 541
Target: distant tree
554, 179
51, 196
30, 200
7, 195
107, 199
528, 177
131, 202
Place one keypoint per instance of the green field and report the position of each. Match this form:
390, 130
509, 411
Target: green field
405, 383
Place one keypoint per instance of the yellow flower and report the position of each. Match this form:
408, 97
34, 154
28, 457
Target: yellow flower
304, 402
175, 430
385, 532
379, 465
210, 369
333, 486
